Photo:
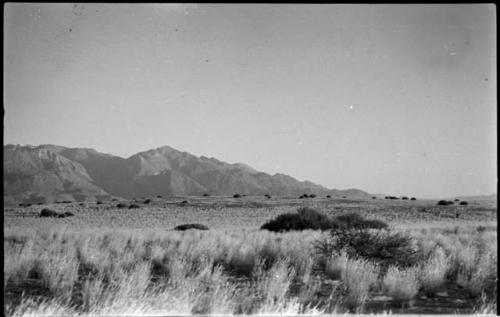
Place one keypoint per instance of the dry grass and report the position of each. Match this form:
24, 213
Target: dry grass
401, 284
121, 268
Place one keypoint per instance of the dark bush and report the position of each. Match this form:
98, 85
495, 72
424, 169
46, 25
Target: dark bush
381, 246
444, 203
373, 197
328, 196
184, 202
68, 214
147, 201
99, 202
46, 212
457, 199
236, 196
308, 218
464, 203
356, 221
267, 196
305, 218
312, 196
191, 226
404, 198
343, 197
413, 198
121, 205
158, 196
114, 199
206, 195
134, 206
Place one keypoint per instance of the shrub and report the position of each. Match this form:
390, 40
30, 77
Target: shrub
184, 202
158, 196
68, 214
355, 221
99, 202
305, 218
312, 196
267, 196
236, 196
382, 246
444, 203
147, 201
308, 218
191, 226
413, 198
463, 203
121, 205
404, 198
206, 195
373, 197
134, 206
328, 196
46, 212
343, 197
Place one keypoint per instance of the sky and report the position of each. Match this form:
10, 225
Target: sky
393, 99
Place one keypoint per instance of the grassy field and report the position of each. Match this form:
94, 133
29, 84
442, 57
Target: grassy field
110, 261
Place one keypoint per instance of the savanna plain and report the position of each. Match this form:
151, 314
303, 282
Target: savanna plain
412, 257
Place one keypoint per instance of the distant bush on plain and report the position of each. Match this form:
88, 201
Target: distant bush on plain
121, 205
236, 196
46, 212
309, 218
147, 201
464, 203
188, 226
413, 198
444, 203
134, 206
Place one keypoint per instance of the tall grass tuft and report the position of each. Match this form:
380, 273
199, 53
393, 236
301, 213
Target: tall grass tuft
401, 284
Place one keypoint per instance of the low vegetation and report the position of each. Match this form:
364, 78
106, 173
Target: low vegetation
309, 218
191, 226
134, 264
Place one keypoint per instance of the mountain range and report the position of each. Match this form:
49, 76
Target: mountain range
48, 173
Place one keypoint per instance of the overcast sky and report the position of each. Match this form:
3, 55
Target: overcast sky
392, 99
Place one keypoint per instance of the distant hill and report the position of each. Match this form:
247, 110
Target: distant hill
47, 173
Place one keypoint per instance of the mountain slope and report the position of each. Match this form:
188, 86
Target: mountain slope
40, 174
51, 171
